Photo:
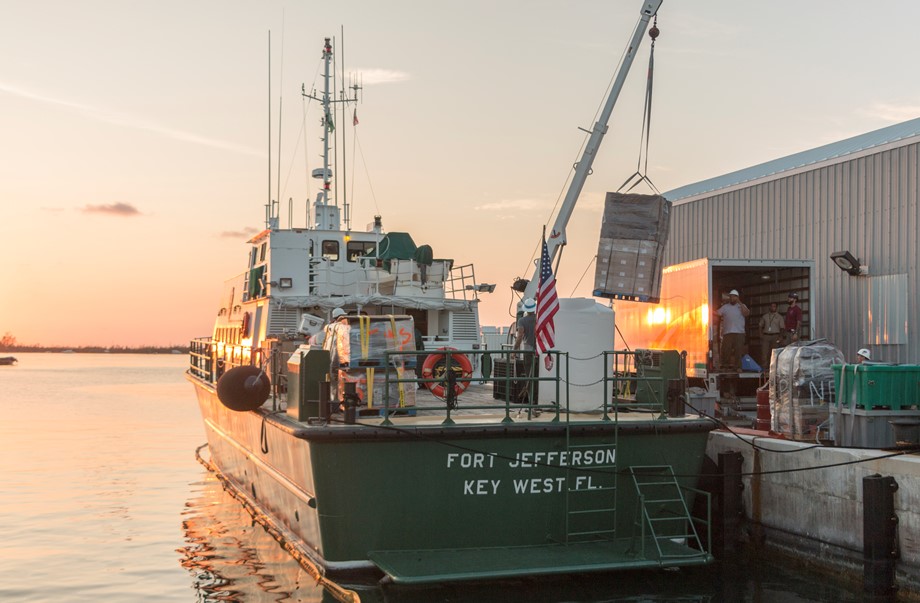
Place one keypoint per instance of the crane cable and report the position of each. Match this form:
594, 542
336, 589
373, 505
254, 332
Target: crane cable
641, 173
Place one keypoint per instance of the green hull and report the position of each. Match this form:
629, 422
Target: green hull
451, 502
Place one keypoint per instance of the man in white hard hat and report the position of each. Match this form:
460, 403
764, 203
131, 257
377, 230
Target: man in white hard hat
863, 355
731, 317
325, 335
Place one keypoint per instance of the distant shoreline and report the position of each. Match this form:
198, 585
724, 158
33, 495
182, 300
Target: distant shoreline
95, 350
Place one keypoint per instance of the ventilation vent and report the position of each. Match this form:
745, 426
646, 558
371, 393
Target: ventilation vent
464, 326
282, 320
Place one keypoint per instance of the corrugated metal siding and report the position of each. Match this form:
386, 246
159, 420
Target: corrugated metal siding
867, 205
861, 144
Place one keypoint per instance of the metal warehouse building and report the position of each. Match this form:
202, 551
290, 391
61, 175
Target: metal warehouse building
858, 195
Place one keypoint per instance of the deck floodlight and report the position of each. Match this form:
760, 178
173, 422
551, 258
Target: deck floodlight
846, 262
520, 284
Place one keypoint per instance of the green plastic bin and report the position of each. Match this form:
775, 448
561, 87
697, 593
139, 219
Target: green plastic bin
877, 386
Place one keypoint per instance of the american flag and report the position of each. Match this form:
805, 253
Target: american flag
547, 305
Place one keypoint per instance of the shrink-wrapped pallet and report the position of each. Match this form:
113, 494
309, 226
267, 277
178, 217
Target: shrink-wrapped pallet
356, 341
371, 386
802, 387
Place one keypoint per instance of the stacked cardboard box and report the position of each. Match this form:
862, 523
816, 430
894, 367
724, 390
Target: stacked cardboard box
633, 234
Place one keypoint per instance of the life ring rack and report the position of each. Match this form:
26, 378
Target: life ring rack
434, 367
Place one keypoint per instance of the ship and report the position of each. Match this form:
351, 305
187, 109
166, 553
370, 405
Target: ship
350, 405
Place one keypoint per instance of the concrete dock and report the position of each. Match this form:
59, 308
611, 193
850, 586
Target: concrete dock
806, 501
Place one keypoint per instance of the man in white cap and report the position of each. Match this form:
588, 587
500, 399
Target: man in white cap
525, 338
731, 316
863, 355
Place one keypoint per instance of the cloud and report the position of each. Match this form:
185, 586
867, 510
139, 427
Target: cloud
372, 77
245, 233
893, 112
511, 205
115, 209
130, 121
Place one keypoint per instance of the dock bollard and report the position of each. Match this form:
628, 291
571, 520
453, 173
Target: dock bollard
880, 530
350, 400
676, 397
323, 400
730, 508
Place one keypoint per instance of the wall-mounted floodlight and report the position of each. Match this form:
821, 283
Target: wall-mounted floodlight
849, 264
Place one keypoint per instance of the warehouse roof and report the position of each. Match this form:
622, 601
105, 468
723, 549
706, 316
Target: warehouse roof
835, 150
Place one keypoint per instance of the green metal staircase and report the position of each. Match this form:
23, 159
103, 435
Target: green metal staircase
664, 513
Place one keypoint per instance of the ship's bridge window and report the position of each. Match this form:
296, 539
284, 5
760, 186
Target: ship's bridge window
358, 249
331, 250
262, 252
253, 256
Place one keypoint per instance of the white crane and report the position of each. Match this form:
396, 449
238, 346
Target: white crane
557, 235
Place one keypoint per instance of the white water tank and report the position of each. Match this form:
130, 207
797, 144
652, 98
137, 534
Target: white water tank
584, 329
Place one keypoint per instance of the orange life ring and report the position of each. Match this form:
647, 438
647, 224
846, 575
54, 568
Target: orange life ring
434, 368
244, 328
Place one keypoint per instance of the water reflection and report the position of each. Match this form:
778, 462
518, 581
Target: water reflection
231, 559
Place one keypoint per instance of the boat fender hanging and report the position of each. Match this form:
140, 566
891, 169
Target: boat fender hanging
460, 360
243, 388
244, 328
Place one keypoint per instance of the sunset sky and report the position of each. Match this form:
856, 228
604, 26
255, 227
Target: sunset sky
134, 153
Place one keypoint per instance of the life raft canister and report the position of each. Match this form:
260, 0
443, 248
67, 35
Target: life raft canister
439, 362
244, 328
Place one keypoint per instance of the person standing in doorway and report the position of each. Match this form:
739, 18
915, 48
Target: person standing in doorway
731, 316
793, 320
771, 329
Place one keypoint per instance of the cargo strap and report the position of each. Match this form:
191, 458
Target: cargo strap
399, 372
364, 327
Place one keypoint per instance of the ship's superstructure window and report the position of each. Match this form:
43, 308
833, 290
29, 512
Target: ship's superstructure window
331, 250
262, 252
358, 249
254, 253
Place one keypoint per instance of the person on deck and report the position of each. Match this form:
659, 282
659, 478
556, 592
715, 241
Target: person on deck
525, 340
731, 316
771, 329
863, 355
525, 337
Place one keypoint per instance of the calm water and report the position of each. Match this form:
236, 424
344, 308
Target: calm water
102, 500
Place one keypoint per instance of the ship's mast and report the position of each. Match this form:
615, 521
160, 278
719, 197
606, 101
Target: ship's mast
326, 208
583, 167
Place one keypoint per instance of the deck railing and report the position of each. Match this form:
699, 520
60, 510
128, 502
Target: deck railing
515, 379
209, 359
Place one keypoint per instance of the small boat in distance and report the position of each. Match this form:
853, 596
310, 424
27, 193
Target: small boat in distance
7, 361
